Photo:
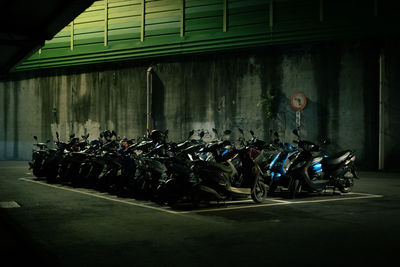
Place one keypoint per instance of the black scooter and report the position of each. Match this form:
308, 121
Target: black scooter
39, 157
237, 177
316, 174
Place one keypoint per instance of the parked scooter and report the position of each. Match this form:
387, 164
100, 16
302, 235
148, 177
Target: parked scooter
279, 169
181, 182
223, 180
51, 162
297, 168
39, 156
316, 174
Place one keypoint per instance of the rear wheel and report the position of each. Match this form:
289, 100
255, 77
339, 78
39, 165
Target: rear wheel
346, 185
259, 191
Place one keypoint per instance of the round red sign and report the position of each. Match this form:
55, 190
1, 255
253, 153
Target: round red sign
298, 101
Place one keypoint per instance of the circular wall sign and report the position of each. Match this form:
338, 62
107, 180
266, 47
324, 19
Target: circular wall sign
298, 101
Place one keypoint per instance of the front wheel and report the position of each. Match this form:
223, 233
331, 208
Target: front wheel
294, 188
259, 191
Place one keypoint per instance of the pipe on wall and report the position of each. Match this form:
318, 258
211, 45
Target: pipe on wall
381, 155
149, 92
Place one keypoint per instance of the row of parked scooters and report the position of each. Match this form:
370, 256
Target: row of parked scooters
193, 170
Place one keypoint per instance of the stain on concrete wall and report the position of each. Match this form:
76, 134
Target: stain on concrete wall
220, 91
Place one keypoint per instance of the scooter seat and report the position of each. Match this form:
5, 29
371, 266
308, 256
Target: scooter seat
338, 158
225, 167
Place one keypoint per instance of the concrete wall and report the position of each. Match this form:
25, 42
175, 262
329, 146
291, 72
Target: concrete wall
391, 91
221, 90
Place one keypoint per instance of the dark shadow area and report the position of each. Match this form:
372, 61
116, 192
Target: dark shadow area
17, 248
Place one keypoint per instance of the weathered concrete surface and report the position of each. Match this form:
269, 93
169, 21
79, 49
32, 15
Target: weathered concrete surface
391, 105
221, 90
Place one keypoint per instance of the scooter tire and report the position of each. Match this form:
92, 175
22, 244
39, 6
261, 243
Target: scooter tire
259, 191
346, 188
272, 187
294, 188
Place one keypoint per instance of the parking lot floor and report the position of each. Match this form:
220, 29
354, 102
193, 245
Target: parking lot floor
59, 225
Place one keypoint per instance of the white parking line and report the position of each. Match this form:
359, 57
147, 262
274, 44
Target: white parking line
281, 203
9, 204
278, 202
99, 196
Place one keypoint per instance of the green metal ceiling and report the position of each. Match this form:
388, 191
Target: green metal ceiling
117, 30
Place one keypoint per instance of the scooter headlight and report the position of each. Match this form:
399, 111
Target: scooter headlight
163, 178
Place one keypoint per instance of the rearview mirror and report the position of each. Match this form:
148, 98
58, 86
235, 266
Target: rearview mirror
35, 137
296, 132
252, 133
241, 131
326, 142
191, 133
215, 131
201, 134
226, 132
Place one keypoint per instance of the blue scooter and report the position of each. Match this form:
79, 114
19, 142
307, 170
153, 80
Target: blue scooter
297, 168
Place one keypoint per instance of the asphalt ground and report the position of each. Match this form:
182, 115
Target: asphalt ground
58, 225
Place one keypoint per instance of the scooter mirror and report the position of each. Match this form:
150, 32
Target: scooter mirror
201, 134
226, 132
113, 133
241, 131
296, 132
252, 133
35, 137
215, 131
326, 142
72, 136
276, 134
87, 136
191, 133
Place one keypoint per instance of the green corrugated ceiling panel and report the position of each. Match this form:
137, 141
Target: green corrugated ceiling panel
115, 30
242, 13
204, 15
124, 20
162, 17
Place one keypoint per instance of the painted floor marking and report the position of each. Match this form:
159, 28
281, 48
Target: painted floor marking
276, 202
9, 205
99, 196
282, 203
